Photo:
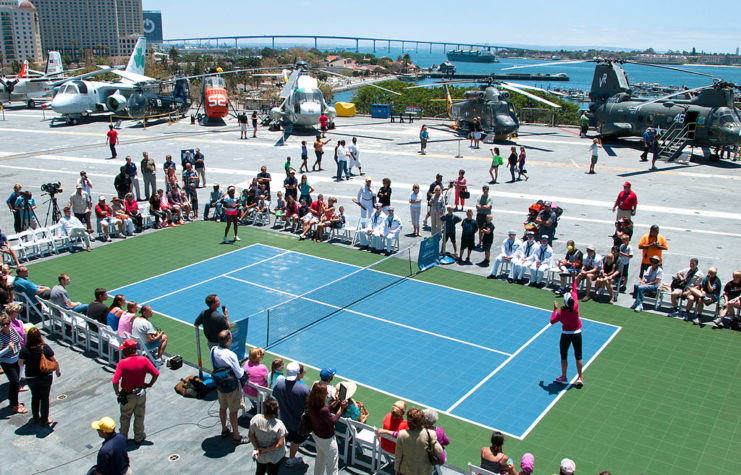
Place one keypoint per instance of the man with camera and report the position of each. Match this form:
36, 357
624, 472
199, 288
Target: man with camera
25, 206
130, 388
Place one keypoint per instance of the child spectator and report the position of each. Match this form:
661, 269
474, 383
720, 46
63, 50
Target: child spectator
626, 254
449, 221
468, 235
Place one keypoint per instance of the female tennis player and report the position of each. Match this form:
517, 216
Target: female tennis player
568, 315
231, 208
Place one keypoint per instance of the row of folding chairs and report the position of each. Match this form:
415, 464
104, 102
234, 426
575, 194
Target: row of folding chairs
38, 242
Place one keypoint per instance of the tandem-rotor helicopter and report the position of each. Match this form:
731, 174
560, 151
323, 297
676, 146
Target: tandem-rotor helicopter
705, 116
489, 103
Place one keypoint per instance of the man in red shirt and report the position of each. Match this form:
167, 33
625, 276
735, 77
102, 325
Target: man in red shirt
130, 373
324, 124
104, 213
316, 210
112, 140
626, 203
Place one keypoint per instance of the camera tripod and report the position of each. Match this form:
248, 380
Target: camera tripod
52, 210
28, 216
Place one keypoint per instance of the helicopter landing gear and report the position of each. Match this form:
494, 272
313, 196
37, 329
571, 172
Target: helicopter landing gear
31, 104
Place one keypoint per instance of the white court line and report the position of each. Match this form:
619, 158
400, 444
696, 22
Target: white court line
560, 395
212, 278
390, 322
497, 369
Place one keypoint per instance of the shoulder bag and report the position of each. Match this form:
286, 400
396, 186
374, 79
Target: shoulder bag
45, 364
432, 455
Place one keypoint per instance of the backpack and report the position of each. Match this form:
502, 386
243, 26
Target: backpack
226, 381
191, 387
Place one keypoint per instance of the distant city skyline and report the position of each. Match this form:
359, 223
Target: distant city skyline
681, 25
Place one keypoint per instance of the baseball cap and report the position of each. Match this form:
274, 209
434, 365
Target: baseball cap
327, 373
367, 178
512, 232
106, 424
568, 466
128, 343
547, 204
627, 183
591, 248
79, 187
101, 198
292, 370
527, 463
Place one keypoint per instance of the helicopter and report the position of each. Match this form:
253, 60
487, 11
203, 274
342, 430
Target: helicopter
704, 117
490, 104
152, 98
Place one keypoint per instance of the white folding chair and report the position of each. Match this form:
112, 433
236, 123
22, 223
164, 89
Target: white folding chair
355, 234
366, 446
26, 245
44, 241
474, 470
112, 341
59, 238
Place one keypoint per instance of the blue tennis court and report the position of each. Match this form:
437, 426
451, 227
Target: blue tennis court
478, 358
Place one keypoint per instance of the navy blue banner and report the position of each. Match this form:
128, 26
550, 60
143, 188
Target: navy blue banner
429, 252
239, 338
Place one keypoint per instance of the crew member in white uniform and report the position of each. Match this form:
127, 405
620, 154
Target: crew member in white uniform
391, 228
522, 261
541, 261
372, 234
365, 199
354, 156
510, 248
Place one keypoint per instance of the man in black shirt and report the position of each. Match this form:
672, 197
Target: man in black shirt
112, 456
213, 322
263, 178
97, 310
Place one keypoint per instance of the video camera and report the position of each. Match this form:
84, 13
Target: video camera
52, 188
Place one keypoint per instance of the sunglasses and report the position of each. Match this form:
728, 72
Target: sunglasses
4, 324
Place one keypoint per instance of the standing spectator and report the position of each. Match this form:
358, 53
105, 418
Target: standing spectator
459, 186
267, 434
483, 209
324, 124
476, 131
60, 296
626, 203
430, 423
594, 152
153, 339
705, 293
415, 208
323, 429
521, 165
342, 159
81, 206
149, 172
626, 254
647, 139
584, 122
305, 189
186, 157
38, 381
393, 422
257, 372
11, 206
263, 181
411, 456
493, 458
212, 320
26, 206
112, 456
229, 399
304, 158
438, 182
568, 315
355, 156
649, 283
437, 203
652, 245
130, 388
449, 221
384, 195
424, 136
290, 184
547, 220
190, 180
366, 198
86, 184
496, 161
731, 300
11, 343
111, 138
133, 174
200, 167
242, 119
169, 163
122, 182
291, 394
6, 249
319, 151
326, 375
254, 124
512, 162
468, 236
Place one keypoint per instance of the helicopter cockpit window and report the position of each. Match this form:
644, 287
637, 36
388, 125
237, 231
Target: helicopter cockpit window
307, 96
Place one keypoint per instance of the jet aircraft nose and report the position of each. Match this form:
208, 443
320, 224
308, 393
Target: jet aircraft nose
63, 104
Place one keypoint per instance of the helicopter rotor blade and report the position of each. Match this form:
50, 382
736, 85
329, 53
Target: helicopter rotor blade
521, 66
532, 88
531, 96
672, 95
346, 78
661, 66
446, 83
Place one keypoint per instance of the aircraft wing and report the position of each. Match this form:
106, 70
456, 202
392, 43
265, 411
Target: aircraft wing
82, 76
129, 76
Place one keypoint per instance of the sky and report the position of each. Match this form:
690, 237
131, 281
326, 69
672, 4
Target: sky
662, 25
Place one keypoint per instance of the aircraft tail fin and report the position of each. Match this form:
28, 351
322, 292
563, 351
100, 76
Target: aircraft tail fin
54, 64
609, 79
24, 70
136, 62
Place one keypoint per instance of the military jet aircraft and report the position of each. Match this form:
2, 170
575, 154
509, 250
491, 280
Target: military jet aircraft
28, 88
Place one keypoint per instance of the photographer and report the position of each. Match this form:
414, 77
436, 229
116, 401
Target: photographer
25, 206
87, 186
132, 397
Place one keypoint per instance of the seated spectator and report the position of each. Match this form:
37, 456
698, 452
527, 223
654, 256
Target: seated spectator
527, 464
59, 296
540, 261
393, 422
276, 372
162, 216
338, 220
119, 211
214, 201
314, 216
327, 219
510, 248
290, 214
612, 269
707, 293
569, 265
115, 311
430, 423
73, 228
176, 200
97, 310
248, 203
175, 211
392, 228
6, 290
590, 270
28, 288
131, 207
493, 458
153, 339
191, 199
171, 178
262, 204
125, 323
105, 217
681, 285
6, 249
522, 262
649, 283
256, 371
303, 210
731, 300
371, 236
547, 220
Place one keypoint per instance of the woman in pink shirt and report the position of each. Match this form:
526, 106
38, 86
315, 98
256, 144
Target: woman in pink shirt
126, 322
258, 372
568, 315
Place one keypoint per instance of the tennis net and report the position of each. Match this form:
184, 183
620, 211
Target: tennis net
303, 311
